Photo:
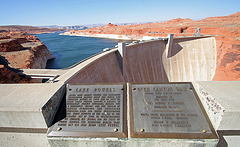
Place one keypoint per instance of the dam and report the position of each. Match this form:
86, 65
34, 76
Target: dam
29, 111
188, 59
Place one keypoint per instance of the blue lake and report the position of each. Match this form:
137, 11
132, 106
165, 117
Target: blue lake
69, 50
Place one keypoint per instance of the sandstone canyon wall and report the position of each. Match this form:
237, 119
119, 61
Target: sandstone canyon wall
21, 51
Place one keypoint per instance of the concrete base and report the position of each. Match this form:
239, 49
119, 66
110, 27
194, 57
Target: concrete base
143, 142
23, 139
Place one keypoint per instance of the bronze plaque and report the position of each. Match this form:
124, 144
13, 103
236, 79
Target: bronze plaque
170, 110
93, 111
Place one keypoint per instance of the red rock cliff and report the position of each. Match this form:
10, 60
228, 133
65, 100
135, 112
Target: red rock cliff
21, 51
9, 45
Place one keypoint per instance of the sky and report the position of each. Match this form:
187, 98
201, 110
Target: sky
83, 12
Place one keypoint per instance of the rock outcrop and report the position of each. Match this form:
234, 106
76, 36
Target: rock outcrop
40, 56
9, 45
21, 51
34, 57
179, 20
8, 76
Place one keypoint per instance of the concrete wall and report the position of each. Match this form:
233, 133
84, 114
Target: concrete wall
191, 59
105, 69
188, 59
143, 62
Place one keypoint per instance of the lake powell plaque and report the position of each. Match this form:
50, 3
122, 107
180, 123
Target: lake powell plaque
170, 110
93, 111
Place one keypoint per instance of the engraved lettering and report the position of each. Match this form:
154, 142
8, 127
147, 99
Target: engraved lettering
144, 89
181, 88
167, 108
94, 107
82, 90
162, 89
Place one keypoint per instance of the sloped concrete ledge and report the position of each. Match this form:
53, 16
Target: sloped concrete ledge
33, 108
221, 101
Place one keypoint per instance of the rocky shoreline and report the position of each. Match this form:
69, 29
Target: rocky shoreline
21, 51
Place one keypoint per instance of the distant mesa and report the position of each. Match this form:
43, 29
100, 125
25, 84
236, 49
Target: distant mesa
111, 25
179, 20
28, 29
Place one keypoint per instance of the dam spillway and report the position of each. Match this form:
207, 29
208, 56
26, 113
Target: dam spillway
189, 59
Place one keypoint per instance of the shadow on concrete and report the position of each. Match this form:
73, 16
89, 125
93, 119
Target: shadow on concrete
120, 61
221, 133
176, 48
61, 113
163, 71
222, 142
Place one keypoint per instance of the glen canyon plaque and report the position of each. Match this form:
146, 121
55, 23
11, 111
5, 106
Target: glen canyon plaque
169, 110
94, 111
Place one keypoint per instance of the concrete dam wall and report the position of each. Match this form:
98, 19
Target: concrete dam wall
184, 59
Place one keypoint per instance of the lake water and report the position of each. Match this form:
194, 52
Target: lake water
69, 50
